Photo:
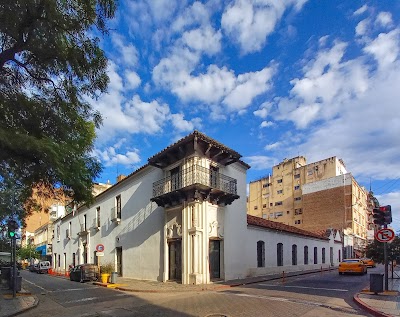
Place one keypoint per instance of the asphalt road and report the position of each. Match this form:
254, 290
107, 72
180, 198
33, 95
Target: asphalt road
326, 294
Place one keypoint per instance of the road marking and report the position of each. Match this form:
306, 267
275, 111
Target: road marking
36, 285
317, 288
71, 289
88, 299
349, 310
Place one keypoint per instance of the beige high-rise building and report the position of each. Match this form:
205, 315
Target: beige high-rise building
313, 197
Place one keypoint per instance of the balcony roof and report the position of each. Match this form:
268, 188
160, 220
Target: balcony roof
196, 143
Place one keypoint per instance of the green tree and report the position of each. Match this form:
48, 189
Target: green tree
375, 250
28, 252
50, 65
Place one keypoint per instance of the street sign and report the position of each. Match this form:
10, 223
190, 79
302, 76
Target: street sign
99, 248
384, 235
99, 253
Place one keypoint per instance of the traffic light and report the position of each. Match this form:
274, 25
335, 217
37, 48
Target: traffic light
387, 214
12, 227
378, 215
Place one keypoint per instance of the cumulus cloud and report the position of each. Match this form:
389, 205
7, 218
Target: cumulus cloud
125, 52
182, 125
249, 23
384, 19
259, 162
110, 157
132, 80
266, 124
361, 10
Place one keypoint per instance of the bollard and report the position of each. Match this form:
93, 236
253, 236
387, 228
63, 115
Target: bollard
283, 277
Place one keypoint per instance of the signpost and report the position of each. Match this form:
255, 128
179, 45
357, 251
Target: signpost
385, 235
99, 253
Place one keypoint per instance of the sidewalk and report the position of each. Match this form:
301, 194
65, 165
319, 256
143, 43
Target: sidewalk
384, 304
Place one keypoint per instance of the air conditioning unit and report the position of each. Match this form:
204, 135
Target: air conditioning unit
115, 215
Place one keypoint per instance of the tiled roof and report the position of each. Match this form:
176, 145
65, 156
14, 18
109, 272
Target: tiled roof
264, 223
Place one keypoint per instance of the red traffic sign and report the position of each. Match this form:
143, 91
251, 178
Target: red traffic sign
384, 235
99, 248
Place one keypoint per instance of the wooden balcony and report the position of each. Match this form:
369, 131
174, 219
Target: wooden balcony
195, 183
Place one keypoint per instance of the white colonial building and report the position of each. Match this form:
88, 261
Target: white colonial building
183, 217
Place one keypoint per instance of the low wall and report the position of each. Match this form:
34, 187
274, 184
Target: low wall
259, 271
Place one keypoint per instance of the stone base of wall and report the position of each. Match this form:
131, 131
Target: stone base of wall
281, 270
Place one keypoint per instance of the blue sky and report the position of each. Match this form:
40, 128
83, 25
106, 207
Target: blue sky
270, 79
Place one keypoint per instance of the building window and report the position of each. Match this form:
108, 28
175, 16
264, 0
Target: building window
294, 254
260, 253
271, 214
297, 187
298, 211
297, 176
278, 214
306, 255
310, 172
264, 216
279, 181
59, 261
84, 222
69, 230
279, 254
264, 205
73, 259
278, 203
118, 205
255, 207
297, 198
331, 255
297, 222
315, 255
98, 217
323, 255
265, 185
280, 191
270, 204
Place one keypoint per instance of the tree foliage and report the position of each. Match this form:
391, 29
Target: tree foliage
28, 252
375, 250
50, 65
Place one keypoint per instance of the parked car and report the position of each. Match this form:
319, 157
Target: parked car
84, 272
352, 266
369, 262
33, 268
43, 267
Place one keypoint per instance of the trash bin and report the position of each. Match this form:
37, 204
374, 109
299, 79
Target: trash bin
18, 284
6, 273
113, 277
376, 282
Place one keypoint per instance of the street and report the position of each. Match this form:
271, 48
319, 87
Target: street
318, 294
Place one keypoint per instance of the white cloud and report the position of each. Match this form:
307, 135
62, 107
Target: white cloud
263, 111
132, 80
266, 124
385, 48
361, 10
125, 50
182, 125
384, 19
259, 162
249, 23
248, 86
203, 39
362, 27
393, 199
110, 157
273, 146
196, 14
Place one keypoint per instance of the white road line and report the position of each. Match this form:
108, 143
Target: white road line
71, 289
36, 285
316, 288
93, 298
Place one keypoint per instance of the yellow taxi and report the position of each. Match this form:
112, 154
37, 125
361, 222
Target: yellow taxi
369, 262
352, 266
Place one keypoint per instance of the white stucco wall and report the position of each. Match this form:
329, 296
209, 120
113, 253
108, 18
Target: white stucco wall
139, 233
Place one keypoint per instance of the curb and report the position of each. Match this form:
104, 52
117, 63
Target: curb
35, 303
368, 308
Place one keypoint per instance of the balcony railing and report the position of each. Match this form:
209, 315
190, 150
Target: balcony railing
195, 175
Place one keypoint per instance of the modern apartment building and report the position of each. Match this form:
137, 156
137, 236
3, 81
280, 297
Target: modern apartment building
314, 197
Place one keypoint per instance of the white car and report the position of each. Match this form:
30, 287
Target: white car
43, 267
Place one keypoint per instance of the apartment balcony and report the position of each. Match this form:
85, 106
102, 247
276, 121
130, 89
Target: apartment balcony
195, 183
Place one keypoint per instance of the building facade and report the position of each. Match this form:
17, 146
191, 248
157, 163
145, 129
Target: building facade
182, 217
314, 197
